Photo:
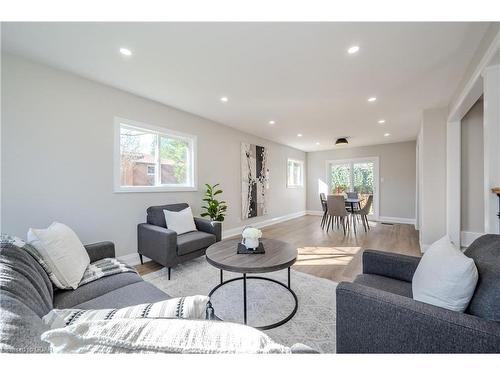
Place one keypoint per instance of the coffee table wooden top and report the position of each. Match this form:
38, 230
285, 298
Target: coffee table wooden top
279, 255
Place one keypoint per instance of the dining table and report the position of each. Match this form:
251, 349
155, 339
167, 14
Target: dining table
352, 202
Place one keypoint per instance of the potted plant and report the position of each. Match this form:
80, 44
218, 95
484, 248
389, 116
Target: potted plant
214, 208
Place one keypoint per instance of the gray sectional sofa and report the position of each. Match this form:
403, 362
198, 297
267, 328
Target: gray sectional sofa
27, 295
376, 312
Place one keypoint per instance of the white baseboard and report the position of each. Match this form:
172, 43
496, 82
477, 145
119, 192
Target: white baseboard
386, 219
396, 220
261, 224
314, 213
466, 238
133, 258
423, 247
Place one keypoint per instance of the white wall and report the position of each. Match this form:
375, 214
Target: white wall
57, 157
472, 174
397, 174
432, 168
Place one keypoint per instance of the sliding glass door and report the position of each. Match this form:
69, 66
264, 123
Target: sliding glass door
355, 175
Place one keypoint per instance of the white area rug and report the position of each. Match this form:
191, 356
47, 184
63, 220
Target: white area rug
312, 325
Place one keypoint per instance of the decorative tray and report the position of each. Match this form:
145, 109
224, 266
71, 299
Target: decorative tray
243, 250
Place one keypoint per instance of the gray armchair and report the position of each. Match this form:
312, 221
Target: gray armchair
376, 312
164, 246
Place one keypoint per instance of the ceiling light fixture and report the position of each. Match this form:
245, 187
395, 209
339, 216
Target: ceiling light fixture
352, 50
272, 122
341, 141
317, 143
381, 121
224, 99
372, 99
125, 51
299, 135
387, 134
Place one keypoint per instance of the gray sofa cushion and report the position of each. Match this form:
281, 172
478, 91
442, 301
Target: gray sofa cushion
155, 215
387, 284
193, 241
24, 279
20, 328
129, 295
26, 296
65, 299
485, 302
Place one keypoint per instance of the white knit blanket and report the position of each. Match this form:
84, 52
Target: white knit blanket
161, 336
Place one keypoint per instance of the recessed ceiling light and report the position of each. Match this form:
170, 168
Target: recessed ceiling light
352, 50
387, 134
224, 99
125, 51
372, 99
272, 122
317, 143
299, 135
381, 121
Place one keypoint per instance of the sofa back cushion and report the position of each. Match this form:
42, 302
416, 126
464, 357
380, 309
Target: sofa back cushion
156, 216
26, 294
485, 302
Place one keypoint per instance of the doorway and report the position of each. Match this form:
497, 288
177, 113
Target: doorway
359, 175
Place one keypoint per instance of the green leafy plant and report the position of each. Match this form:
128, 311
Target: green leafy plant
214, 208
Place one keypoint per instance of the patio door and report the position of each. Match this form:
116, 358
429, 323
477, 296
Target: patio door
355, 175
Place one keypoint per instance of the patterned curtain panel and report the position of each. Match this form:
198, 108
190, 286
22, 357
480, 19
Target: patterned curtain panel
254, 180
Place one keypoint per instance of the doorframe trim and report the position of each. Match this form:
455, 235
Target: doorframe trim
376, 178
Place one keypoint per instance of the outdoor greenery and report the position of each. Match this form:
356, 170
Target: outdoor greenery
215, 209
362, 176
340, 175
175, 150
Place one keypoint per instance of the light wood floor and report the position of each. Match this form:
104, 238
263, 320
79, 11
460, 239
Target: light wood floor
332, 255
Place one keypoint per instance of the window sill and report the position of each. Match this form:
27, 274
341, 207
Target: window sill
153, 189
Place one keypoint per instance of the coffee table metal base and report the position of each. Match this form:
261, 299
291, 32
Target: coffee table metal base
245, 278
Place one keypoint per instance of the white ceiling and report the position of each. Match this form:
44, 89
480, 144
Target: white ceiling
298, 74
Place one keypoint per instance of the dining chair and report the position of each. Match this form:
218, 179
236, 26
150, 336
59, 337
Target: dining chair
337, 212
322, 198
352, 195
365, 211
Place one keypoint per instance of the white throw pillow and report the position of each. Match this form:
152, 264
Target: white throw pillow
191, 307
181, 221
160, 336
63, 252
445, 277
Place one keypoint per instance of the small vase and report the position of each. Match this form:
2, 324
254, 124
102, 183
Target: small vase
251, 243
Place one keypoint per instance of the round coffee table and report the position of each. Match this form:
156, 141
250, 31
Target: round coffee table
278, 255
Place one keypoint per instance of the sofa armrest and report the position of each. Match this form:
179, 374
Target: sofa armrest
208, 226
395, 266
157, 243
100, 250
374, 321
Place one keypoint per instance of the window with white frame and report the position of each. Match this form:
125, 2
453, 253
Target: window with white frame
149, 158
295, 173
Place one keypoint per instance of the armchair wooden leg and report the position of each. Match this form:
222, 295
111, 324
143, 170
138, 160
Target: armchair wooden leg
140, 257
169, 268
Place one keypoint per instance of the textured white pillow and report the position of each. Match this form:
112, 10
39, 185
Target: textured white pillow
160, 336
191, 307
445, 277
63, 252
181, 221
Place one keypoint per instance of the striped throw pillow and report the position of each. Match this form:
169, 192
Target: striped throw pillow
191, 307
